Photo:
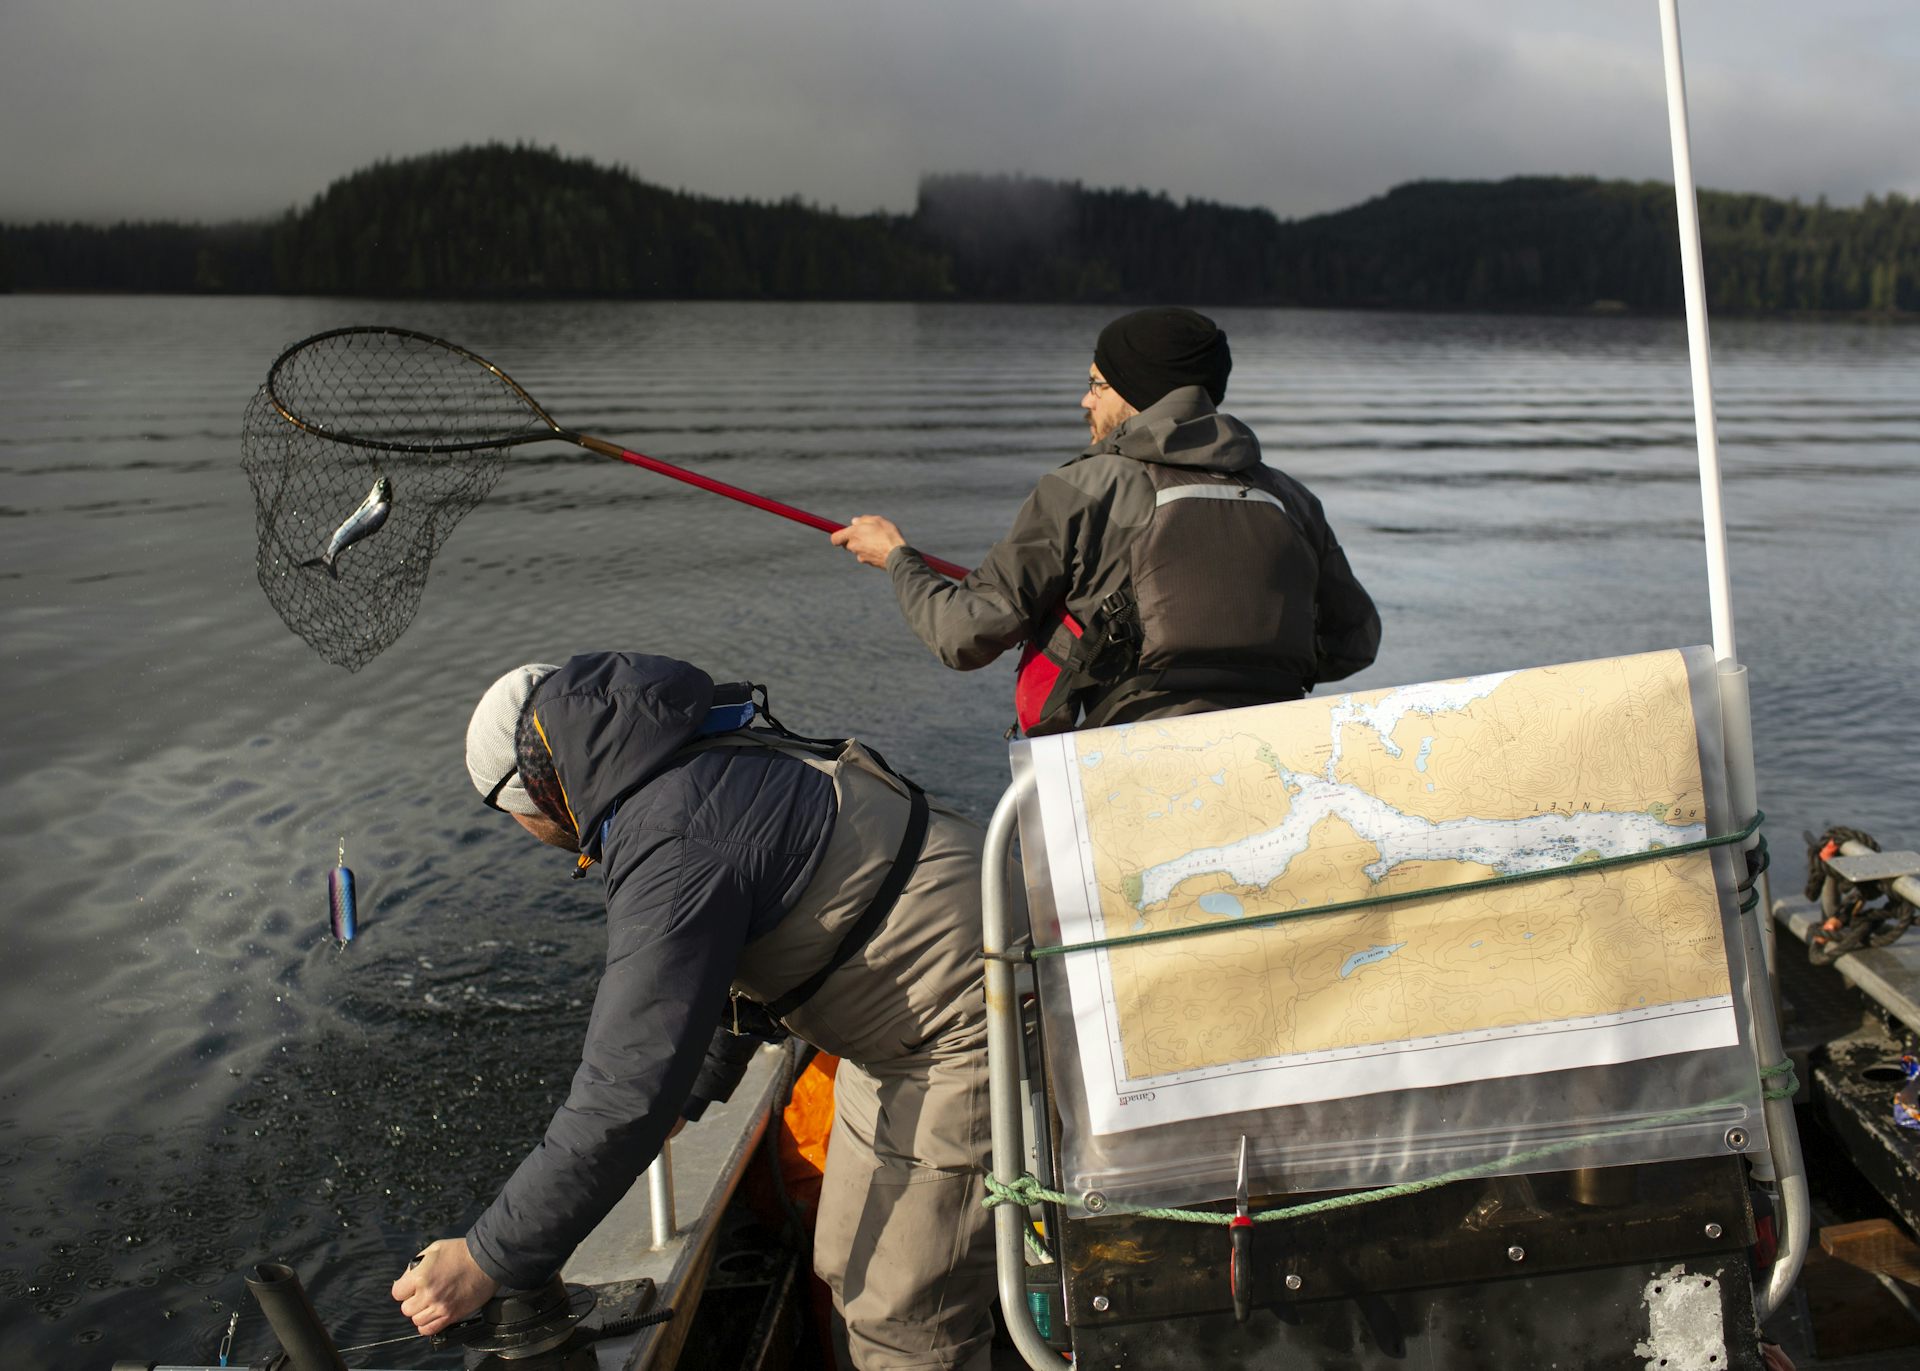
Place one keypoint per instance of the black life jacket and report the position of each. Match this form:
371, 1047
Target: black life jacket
1219, 598
739, 716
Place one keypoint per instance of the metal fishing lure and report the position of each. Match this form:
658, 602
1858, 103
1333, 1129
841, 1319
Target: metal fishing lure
340, 900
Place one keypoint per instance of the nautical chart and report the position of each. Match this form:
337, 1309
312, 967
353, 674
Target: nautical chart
1213, 819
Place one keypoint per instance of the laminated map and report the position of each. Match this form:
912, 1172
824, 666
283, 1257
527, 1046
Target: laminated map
1212, 820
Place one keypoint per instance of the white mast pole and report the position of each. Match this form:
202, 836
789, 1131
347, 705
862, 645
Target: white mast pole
1783, 1163
1693, 279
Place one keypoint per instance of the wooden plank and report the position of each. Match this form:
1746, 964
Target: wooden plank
1849, 1313
1874, 1245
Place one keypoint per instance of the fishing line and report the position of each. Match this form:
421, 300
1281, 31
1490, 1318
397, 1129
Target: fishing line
385, 1342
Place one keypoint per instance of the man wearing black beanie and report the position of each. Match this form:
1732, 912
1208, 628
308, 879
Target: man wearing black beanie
1165, 570
1150, 352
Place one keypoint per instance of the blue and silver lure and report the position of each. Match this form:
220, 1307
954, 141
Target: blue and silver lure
340, 900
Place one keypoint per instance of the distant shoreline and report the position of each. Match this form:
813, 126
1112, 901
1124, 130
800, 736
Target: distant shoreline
1896, 318
519, 223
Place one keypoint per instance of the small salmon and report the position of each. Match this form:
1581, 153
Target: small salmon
364, 522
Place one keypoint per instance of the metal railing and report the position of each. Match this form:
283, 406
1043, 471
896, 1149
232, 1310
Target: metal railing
1003, 1079
660, 1196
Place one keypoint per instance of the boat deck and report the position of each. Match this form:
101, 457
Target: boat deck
706, 1163
1845, 1026
1889, 976
709, 1158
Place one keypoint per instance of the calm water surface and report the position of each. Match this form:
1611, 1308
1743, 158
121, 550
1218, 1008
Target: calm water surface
195, 1078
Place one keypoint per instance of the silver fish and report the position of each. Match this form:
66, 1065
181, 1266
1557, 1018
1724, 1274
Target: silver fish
364, 522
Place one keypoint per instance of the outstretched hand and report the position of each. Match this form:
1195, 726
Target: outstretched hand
442, 1286
870, 538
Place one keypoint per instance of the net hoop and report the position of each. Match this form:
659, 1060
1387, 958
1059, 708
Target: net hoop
340, 435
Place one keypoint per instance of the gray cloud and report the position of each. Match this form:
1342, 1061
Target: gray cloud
216, 108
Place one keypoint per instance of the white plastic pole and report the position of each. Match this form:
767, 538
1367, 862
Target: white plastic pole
1783, 1165
1693, 279
660, 1196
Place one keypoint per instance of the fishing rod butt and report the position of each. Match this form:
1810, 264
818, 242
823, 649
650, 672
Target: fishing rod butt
277, 1290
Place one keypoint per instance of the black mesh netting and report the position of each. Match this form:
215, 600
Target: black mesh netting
389, 387
305, 486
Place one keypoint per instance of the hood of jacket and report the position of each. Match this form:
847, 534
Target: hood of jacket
613, 720
1183, 429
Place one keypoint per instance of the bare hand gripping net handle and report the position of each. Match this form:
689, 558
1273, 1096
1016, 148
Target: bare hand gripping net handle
336, 401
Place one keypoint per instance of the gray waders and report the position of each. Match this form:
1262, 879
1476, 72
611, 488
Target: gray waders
902, 1240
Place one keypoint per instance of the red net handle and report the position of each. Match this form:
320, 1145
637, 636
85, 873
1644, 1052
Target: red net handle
745, 497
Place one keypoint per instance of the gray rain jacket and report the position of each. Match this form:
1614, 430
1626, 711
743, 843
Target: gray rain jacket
1077, 540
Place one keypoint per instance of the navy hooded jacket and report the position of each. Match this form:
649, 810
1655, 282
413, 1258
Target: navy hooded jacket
702, 853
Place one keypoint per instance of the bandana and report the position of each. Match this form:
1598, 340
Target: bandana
537, 774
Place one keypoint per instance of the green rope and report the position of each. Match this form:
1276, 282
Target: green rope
1346, 906
1762, 859
1027, 1190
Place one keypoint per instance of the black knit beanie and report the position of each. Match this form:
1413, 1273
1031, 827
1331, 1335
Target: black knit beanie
1145, 354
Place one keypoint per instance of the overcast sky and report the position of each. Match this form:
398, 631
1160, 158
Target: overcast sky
213, 109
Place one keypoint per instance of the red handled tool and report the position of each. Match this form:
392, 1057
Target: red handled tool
1240, 1270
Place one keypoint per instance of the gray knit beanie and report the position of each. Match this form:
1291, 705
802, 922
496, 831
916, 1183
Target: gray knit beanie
491, 763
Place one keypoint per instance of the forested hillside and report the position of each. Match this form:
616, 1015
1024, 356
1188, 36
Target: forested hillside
501, 221
506, 221
1564, 243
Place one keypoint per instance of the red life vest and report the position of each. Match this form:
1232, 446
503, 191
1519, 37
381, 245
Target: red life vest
1042, 684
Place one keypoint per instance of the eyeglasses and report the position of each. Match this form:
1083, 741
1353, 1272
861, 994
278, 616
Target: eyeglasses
1096, 385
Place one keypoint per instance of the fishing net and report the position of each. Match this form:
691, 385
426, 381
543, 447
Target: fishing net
339, 411
345, 408
305, 486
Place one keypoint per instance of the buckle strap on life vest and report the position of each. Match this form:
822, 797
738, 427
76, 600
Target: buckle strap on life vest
1111, 646
884, 899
